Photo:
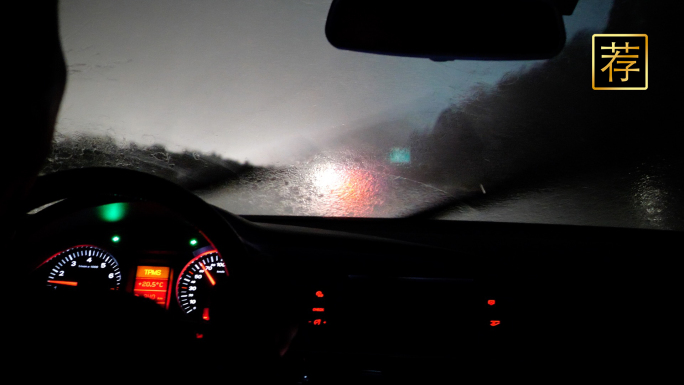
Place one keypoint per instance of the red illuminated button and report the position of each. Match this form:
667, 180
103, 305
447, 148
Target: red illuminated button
494, 322
491, 302
319, 294
318, 309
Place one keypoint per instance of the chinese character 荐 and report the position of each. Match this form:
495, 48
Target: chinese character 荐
616, 54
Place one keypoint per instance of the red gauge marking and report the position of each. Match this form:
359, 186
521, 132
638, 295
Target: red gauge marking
65, 283
211, 279
64, 251
192, 294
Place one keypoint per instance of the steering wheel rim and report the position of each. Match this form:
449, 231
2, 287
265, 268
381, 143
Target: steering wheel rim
111, 183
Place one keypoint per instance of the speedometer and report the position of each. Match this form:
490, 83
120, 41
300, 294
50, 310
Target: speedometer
84, 266
197, 279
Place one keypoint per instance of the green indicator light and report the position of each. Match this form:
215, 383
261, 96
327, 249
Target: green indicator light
193, 242
116, 239
113, 212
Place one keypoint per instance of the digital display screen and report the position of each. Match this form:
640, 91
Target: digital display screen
152, 282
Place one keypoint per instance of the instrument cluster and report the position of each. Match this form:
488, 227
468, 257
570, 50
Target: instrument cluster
138, 247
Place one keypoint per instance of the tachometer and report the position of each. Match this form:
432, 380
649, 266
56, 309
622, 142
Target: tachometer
84, 266
197, 279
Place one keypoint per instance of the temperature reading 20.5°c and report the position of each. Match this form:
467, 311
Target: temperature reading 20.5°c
196, 281
84, 267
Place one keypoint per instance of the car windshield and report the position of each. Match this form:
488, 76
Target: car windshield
247, 104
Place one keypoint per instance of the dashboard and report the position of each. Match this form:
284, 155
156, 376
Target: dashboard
146, 275
137, 247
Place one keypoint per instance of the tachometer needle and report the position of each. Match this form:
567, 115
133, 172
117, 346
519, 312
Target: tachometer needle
211, 279
65, 283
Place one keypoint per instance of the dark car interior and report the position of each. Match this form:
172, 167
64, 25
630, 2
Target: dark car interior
105, 286
372, 300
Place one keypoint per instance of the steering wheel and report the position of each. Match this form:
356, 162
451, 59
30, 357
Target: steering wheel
90, 183
117, 328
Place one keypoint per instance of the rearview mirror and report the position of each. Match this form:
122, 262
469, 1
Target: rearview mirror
448, 30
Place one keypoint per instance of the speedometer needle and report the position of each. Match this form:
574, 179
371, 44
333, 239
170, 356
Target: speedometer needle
211, 279
65, 283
